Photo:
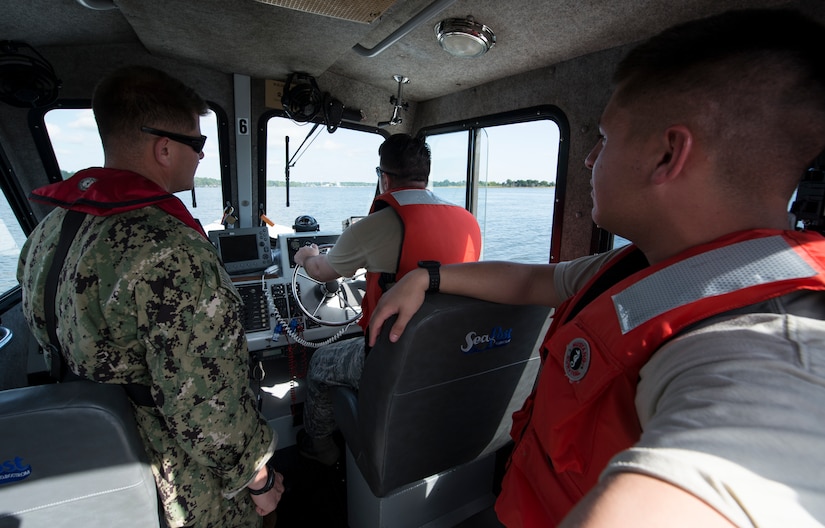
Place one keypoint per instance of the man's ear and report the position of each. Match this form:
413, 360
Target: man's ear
162, 152
677, 147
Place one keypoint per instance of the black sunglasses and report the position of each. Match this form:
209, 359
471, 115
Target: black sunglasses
195, 142
379, 170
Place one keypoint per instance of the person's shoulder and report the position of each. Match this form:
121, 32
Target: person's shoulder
589, 264
154, 224
375, 221
570, 276
152, 234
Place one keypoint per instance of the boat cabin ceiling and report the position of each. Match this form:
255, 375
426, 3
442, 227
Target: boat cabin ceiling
332, 39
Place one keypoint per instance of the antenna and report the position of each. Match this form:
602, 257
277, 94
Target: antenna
397, 102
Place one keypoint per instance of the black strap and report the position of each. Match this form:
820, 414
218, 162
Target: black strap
68, 230
385, 280
58, 369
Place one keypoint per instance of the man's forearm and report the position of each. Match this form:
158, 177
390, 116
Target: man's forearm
502, 282
318, 268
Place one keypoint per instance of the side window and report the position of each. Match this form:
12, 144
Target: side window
76, 145
11, 242
448, 169
619, 241
331, 175
514, 166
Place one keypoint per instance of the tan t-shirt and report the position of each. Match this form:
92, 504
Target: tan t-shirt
373, 243
569, 277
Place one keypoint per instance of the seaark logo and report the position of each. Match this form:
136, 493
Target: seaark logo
14, 470
479, 342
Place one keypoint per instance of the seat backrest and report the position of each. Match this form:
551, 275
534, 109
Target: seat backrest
5, 337
71, 455
444, 393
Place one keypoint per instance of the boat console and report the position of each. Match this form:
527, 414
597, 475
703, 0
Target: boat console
263, 271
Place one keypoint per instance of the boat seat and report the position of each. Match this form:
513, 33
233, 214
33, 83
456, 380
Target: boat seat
5, 337
13, 359
433, 408
71, 455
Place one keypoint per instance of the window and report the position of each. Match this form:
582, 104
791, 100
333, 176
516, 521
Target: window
505, 172
331, 175
619, 241
11, 242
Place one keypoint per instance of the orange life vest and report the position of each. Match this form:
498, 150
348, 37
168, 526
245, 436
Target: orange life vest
432, 230
582, 411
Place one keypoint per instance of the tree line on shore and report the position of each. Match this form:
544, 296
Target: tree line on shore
212, 182
441, 183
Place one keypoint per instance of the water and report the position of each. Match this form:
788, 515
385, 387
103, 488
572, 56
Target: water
516, 222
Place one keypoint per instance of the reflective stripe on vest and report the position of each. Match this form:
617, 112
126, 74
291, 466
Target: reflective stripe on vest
733, 267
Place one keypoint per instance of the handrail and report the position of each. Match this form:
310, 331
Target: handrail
424, 15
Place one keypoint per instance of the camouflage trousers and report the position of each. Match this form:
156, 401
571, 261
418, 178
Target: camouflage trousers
335, 365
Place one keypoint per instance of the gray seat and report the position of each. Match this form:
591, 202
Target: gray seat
13, 360
433, 408
71, 455
5, 337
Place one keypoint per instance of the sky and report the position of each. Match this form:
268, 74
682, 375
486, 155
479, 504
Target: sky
517, 152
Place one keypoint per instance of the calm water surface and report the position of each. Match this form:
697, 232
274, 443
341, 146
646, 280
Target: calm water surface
516, 221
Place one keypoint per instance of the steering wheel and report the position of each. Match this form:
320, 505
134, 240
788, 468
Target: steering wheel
332, 303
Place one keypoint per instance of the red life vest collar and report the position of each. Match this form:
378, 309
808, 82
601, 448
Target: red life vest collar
107, 192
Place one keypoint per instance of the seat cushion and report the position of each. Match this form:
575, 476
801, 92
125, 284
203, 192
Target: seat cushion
71, 455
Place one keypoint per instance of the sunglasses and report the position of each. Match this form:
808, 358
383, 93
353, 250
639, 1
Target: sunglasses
379, 171
195, 142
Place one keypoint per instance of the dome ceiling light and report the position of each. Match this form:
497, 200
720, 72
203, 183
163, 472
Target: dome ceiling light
464, 37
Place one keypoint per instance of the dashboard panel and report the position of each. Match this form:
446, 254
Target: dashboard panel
269, 306
290, 243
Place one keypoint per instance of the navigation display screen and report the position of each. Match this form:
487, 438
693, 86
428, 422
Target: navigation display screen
239, 248
243, 249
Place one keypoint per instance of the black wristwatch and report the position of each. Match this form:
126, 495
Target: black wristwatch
270, 481
433, 267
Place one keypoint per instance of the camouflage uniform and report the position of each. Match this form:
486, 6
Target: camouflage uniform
142, 298
335, 365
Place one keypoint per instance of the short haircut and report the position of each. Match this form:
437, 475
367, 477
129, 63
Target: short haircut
136, 96
753, 80
405, 158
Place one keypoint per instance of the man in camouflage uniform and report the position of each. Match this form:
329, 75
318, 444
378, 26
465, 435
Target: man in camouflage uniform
142, 300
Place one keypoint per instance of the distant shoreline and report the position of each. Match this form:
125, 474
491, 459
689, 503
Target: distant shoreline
517, 184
